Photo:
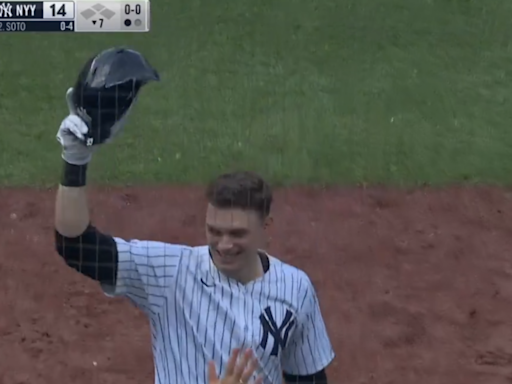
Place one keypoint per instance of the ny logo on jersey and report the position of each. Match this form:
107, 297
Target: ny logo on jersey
279, 333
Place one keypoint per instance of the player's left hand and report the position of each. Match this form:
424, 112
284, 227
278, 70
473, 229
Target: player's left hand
239, 371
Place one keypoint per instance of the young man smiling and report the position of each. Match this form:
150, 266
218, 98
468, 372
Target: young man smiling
202, 301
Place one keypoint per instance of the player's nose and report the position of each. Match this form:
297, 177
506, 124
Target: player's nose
225, 244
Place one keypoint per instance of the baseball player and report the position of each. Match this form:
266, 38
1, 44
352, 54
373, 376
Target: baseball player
201, 301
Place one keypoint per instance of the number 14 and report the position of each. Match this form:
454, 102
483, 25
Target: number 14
58, 11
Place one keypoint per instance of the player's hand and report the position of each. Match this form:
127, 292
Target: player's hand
238, 371
71, 136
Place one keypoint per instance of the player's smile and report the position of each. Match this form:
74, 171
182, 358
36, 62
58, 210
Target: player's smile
226, 258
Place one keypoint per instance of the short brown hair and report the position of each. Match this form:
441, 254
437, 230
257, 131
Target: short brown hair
243, 190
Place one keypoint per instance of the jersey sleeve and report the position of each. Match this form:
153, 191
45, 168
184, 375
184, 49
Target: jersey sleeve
145, 271
310, 349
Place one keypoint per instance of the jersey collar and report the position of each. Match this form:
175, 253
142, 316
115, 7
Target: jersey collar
219, 277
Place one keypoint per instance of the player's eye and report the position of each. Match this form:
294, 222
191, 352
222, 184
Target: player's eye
214, 232
238, 233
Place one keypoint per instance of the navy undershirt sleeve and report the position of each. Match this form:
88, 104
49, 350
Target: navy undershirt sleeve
93, 254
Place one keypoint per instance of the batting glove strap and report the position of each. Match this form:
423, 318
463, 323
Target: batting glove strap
74, 175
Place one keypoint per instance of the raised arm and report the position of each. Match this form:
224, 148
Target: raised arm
82, 247
110, 79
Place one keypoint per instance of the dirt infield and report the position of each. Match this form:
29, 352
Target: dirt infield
416, 287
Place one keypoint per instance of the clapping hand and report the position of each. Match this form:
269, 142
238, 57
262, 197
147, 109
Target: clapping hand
239, 371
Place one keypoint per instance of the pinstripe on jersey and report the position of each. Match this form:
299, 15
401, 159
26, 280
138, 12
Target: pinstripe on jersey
198, 314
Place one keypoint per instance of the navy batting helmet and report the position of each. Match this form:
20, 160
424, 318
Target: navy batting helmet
106, 89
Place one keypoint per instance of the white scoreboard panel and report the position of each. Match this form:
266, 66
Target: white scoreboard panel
75, 16
112, 16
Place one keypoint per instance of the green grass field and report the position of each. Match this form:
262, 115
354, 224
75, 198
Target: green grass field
334, 91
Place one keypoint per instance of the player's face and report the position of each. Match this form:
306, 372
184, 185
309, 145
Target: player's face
234, 236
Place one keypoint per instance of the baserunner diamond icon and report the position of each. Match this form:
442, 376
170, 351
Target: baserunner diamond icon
97, 7
107, 13
87, 14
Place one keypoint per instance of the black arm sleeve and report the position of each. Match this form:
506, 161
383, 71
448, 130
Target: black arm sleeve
317, 378
93, 254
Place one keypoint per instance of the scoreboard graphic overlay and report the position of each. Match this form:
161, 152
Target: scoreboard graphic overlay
75, 16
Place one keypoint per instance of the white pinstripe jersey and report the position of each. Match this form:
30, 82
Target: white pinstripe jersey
198, 314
